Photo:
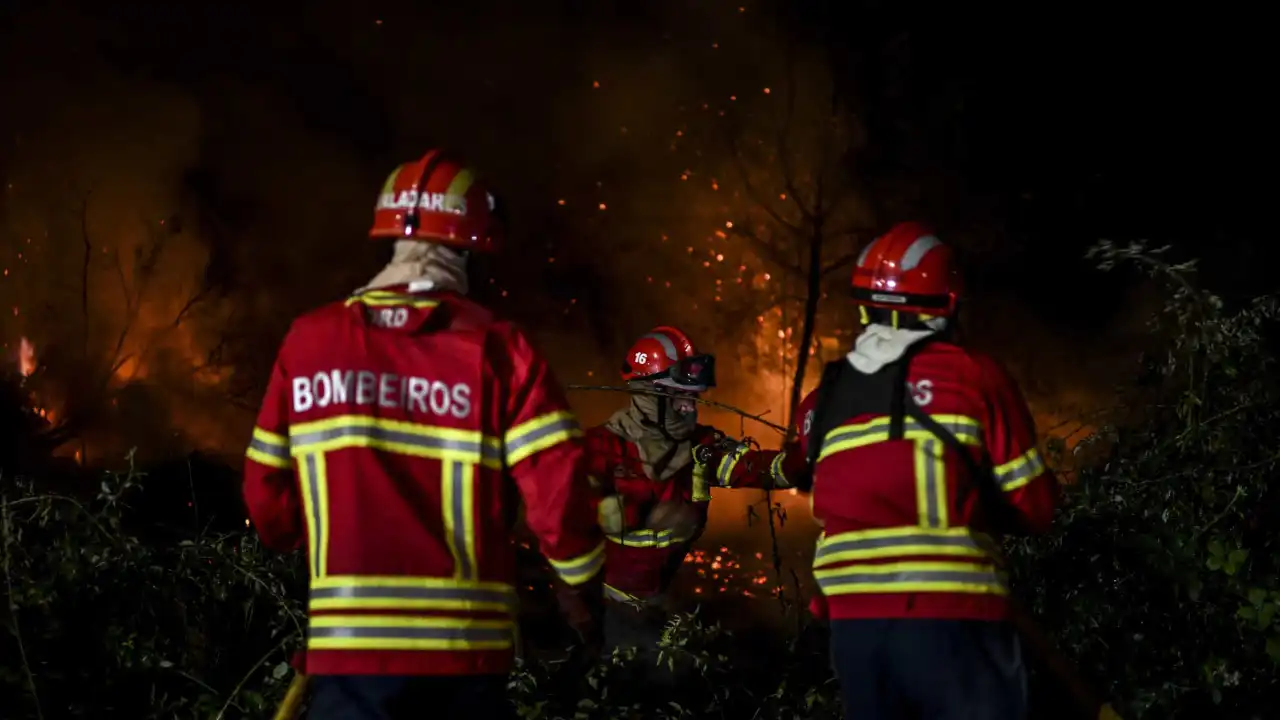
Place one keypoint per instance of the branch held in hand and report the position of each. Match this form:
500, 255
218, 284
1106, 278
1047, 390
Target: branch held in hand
710, 403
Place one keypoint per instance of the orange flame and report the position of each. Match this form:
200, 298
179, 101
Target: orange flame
26, 357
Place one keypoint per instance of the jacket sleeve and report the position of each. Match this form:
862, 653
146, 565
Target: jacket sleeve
271, 492
545, 456
1010, 438
742, 467
737, 466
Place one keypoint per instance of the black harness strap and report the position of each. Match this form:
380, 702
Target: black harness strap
844, 393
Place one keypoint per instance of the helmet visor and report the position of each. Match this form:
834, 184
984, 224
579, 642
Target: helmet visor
698, 371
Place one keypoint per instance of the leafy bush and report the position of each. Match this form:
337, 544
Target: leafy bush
100, 623
1160, 576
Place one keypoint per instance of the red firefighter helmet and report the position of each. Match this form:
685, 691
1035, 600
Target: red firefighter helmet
907, 269
437, 199
666, 356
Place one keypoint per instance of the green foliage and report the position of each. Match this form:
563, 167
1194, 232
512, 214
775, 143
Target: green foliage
99, 622
1158, 574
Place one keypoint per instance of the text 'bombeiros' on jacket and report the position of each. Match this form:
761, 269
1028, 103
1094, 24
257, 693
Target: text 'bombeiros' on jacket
392, 428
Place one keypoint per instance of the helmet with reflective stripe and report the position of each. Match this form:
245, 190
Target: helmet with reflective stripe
907, 269
437, 199
666, 356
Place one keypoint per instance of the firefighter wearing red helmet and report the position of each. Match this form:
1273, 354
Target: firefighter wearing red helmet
656, 466
920, 451
394, 424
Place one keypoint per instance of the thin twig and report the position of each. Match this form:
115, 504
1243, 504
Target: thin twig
13, 608
710, 403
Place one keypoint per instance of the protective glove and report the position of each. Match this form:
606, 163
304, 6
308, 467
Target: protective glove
713, 448
612, 518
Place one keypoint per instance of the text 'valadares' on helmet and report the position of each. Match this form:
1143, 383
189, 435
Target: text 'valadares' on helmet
908, 269
438, 199
666, 356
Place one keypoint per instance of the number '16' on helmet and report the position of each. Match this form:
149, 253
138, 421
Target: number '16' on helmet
438, 199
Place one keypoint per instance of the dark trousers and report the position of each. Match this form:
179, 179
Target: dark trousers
400, 697
929, 670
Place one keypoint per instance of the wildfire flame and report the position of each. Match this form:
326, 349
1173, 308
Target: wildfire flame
26, 357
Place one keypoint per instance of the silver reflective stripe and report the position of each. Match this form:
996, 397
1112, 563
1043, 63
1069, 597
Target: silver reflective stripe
1031, 466
411, 632
280, 452
964, 431
383, 434
516, 445
836, 581
921, 541
932, 450
917, 250
311, 463
446, 594
724, 473
668, 347
647, 538
581, 568
461, 546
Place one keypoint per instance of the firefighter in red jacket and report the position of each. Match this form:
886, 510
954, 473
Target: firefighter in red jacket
395, 426
656, 466
920, 451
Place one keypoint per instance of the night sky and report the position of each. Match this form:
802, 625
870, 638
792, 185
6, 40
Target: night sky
248, 144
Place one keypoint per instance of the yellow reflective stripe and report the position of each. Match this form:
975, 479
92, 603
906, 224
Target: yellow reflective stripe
315, 502
779, 477
648, 538
410, 593
400, 632
905, 577
883, 544
724, 473
1019, 471
847, 437
457, 499
386, 298
578, 570
269, 449
931, 483
534, 436
395, 436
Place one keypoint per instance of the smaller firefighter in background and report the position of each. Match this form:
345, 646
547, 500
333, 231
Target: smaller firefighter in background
655, 466
396, 425
920, 451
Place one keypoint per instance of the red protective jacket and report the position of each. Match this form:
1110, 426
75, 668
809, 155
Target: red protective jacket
905, 534
641, 561
389, 430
